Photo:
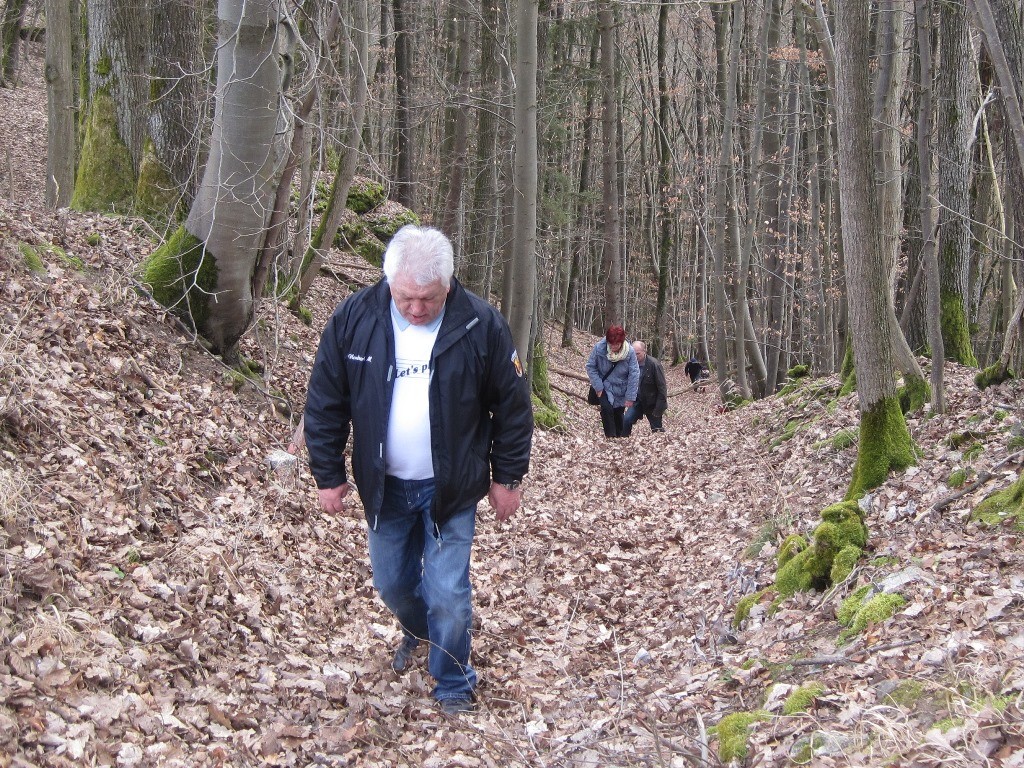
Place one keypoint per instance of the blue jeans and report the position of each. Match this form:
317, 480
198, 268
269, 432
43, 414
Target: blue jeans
423, 578
634, 414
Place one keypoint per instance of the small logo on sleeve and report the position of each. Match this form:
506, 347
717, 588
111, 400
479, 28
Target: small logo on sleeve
517, 363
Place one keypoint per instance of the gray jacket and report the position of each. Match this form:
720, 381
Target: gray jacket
619, 381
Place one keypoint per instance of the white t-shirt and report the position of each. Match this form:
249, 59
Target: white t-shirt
408, 448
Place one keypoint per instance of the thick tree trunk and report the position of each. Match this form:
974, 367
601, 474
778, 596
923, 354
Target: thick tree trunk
169, 174
885, 442
10, 38
206, 269
117, 107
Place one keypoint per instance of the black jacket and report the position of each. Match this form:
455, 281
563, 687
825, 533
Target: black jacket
652, 394
481, 418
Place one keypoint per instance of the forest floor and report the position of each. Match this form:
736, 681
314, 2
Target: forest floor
168, 599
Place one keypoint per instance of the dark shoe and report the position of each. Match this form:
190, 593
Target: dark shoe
403, 655
457, 705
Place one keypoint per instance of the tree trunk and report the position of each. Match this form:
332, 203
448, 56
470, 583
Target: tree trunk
929, 209
885, 442
117, 107
326, 232
665, 192
169, 173
723, 216
612, 241
10, 38
205, 270
456, 141
523, 277
953, 104
405, 182
60, 102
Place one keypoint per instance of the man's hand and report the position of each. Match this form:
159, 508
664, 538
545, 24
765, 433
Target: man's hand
504, 501
332, 500
629, 403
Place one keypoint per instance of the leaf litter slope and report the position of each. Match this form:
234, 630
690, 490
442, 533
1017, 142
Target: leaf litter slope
167, 600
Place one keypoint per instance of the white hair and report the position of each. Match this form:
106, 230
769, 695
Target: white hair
423, 254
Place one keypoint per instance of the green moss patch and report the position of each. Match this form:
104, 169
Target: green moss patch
746, 604
182, 276
33, 261
802, 698
885, 446
156, 193
1003, 506
733, 731
994, 374
106, 177
862, 611
956, 337
835, 547
914, 393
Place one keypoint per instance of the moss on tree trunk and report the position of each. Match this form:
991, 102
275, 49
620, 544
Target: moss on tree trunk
156, 194
182, 277
885, 446
106, 176
956, 337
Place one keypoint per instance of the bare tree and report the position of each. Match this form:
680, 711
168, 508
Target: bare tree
60, 101
612, 241
523, 277
885, 442
205, 271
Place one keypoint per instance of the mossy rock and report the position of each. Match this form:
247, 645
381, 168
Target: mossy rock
1003, 506
849, 607
365, 194
746, 604
844, 562
799, 372
803, 698
960, 439
386, 219
993, 375
33, 256
840, 536
791, 546
33, 261
840, 441
957, 478
733, 731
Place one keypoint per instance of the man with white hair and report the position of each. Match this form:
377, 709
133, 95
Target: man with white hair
427, 378
652, 393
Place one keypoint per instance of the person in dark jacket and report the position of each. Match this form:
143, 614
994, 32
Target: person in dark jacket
652, 394
615, 376
427, 378
693, 369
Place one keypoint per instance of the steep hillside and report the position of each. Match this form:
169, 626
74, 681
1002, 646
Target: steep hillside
166, 599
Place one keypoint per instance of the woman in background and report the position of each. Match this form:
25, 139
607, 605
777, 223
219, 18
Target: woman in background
615, 375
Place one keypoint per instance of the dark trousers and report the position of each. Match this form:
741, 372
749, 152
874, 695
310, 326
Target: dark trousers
611, 417
634, 414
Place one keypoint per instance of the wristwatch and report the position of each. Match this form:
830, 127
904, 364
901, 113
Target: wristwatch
513, 485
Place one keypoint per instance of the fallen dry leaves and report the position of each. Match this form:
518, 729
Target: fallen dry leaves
167, 599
